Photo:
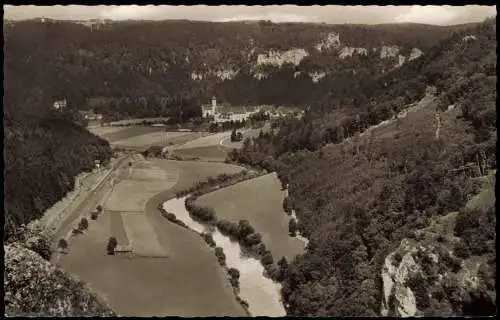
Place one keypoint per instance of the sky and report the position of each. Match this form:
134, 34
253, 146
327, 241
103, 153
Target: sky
438, 15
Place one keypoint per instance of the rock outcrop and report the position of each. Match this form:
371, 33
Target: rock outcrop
415, 54
389, 52
278, 58
349, 51
395, 276
332, 40
35, 287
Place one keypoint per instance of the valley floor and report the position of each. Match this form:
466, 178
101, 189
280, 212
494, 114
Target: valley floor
174, 272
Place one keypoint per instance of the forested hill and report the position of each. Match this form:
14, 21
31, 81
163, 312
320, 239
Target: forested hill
359, 193
142, 68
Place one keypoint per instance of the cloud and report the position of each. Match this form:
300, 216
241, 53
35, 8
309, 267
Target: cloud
273, 16
276, 13
439, 15
129, 12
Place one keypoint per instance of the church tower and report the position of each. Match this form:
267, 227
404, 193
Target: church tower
214, 104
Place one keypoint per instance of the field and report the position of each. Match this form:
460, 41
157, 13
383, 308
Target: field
260, 202
105, 131
156, 138
187, 282
113, 134
214, 147
209, 140
209, 153
143, 136
141, 235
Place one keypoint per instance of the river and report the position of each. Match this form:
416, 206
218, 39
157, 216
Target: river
261, 293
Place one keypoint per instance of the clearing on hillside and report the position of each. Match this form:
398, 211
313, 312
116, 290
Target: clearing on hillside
260, 201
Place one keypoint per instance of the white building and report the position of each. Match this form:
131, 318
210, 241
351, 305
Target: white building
226, 113
209, 110
61, 104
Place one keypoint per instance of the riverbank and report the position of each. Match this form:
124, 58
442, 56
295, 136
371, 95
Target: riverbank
185, 212
256, 293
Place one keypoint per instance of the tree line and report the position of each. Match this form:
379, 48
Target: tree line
145, 71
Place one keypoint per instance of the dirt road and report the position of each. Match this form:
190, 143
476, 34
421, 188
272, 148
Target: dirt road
92, 197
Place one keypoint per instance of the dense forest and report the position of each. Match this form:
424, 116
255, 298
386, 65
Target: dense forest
357, 199
44, 150
145, 69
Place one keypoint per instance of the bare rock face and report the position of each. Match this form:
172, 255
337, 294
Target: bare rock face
33, 286
226, 74
277, 58
332, 40
469, 38
407, 305
401, 60
389, 52
221, 74
349, 51
415, 54
395, 276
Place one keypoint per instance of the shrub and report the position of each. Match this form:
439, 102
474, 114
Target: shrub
261, 249
112, 244
267, 258
283, 268
287, 205
94, 215
99, 208
273, 272
451, 262
221, 257
253, 239
244, 229
63, 244
84, 224
35, 238
234, 273
462, 250
170, 216
243, 303
397, 258
418, 285
292, 227
208, 239
206, 214
234, 282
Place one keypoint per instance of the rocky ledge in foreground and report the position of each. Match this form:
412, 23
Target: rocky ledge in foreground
35, 287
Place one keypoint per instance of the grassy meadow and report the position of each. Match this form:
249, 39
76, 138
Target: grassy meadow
208, 153
140, 136
187, 282
260, 201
